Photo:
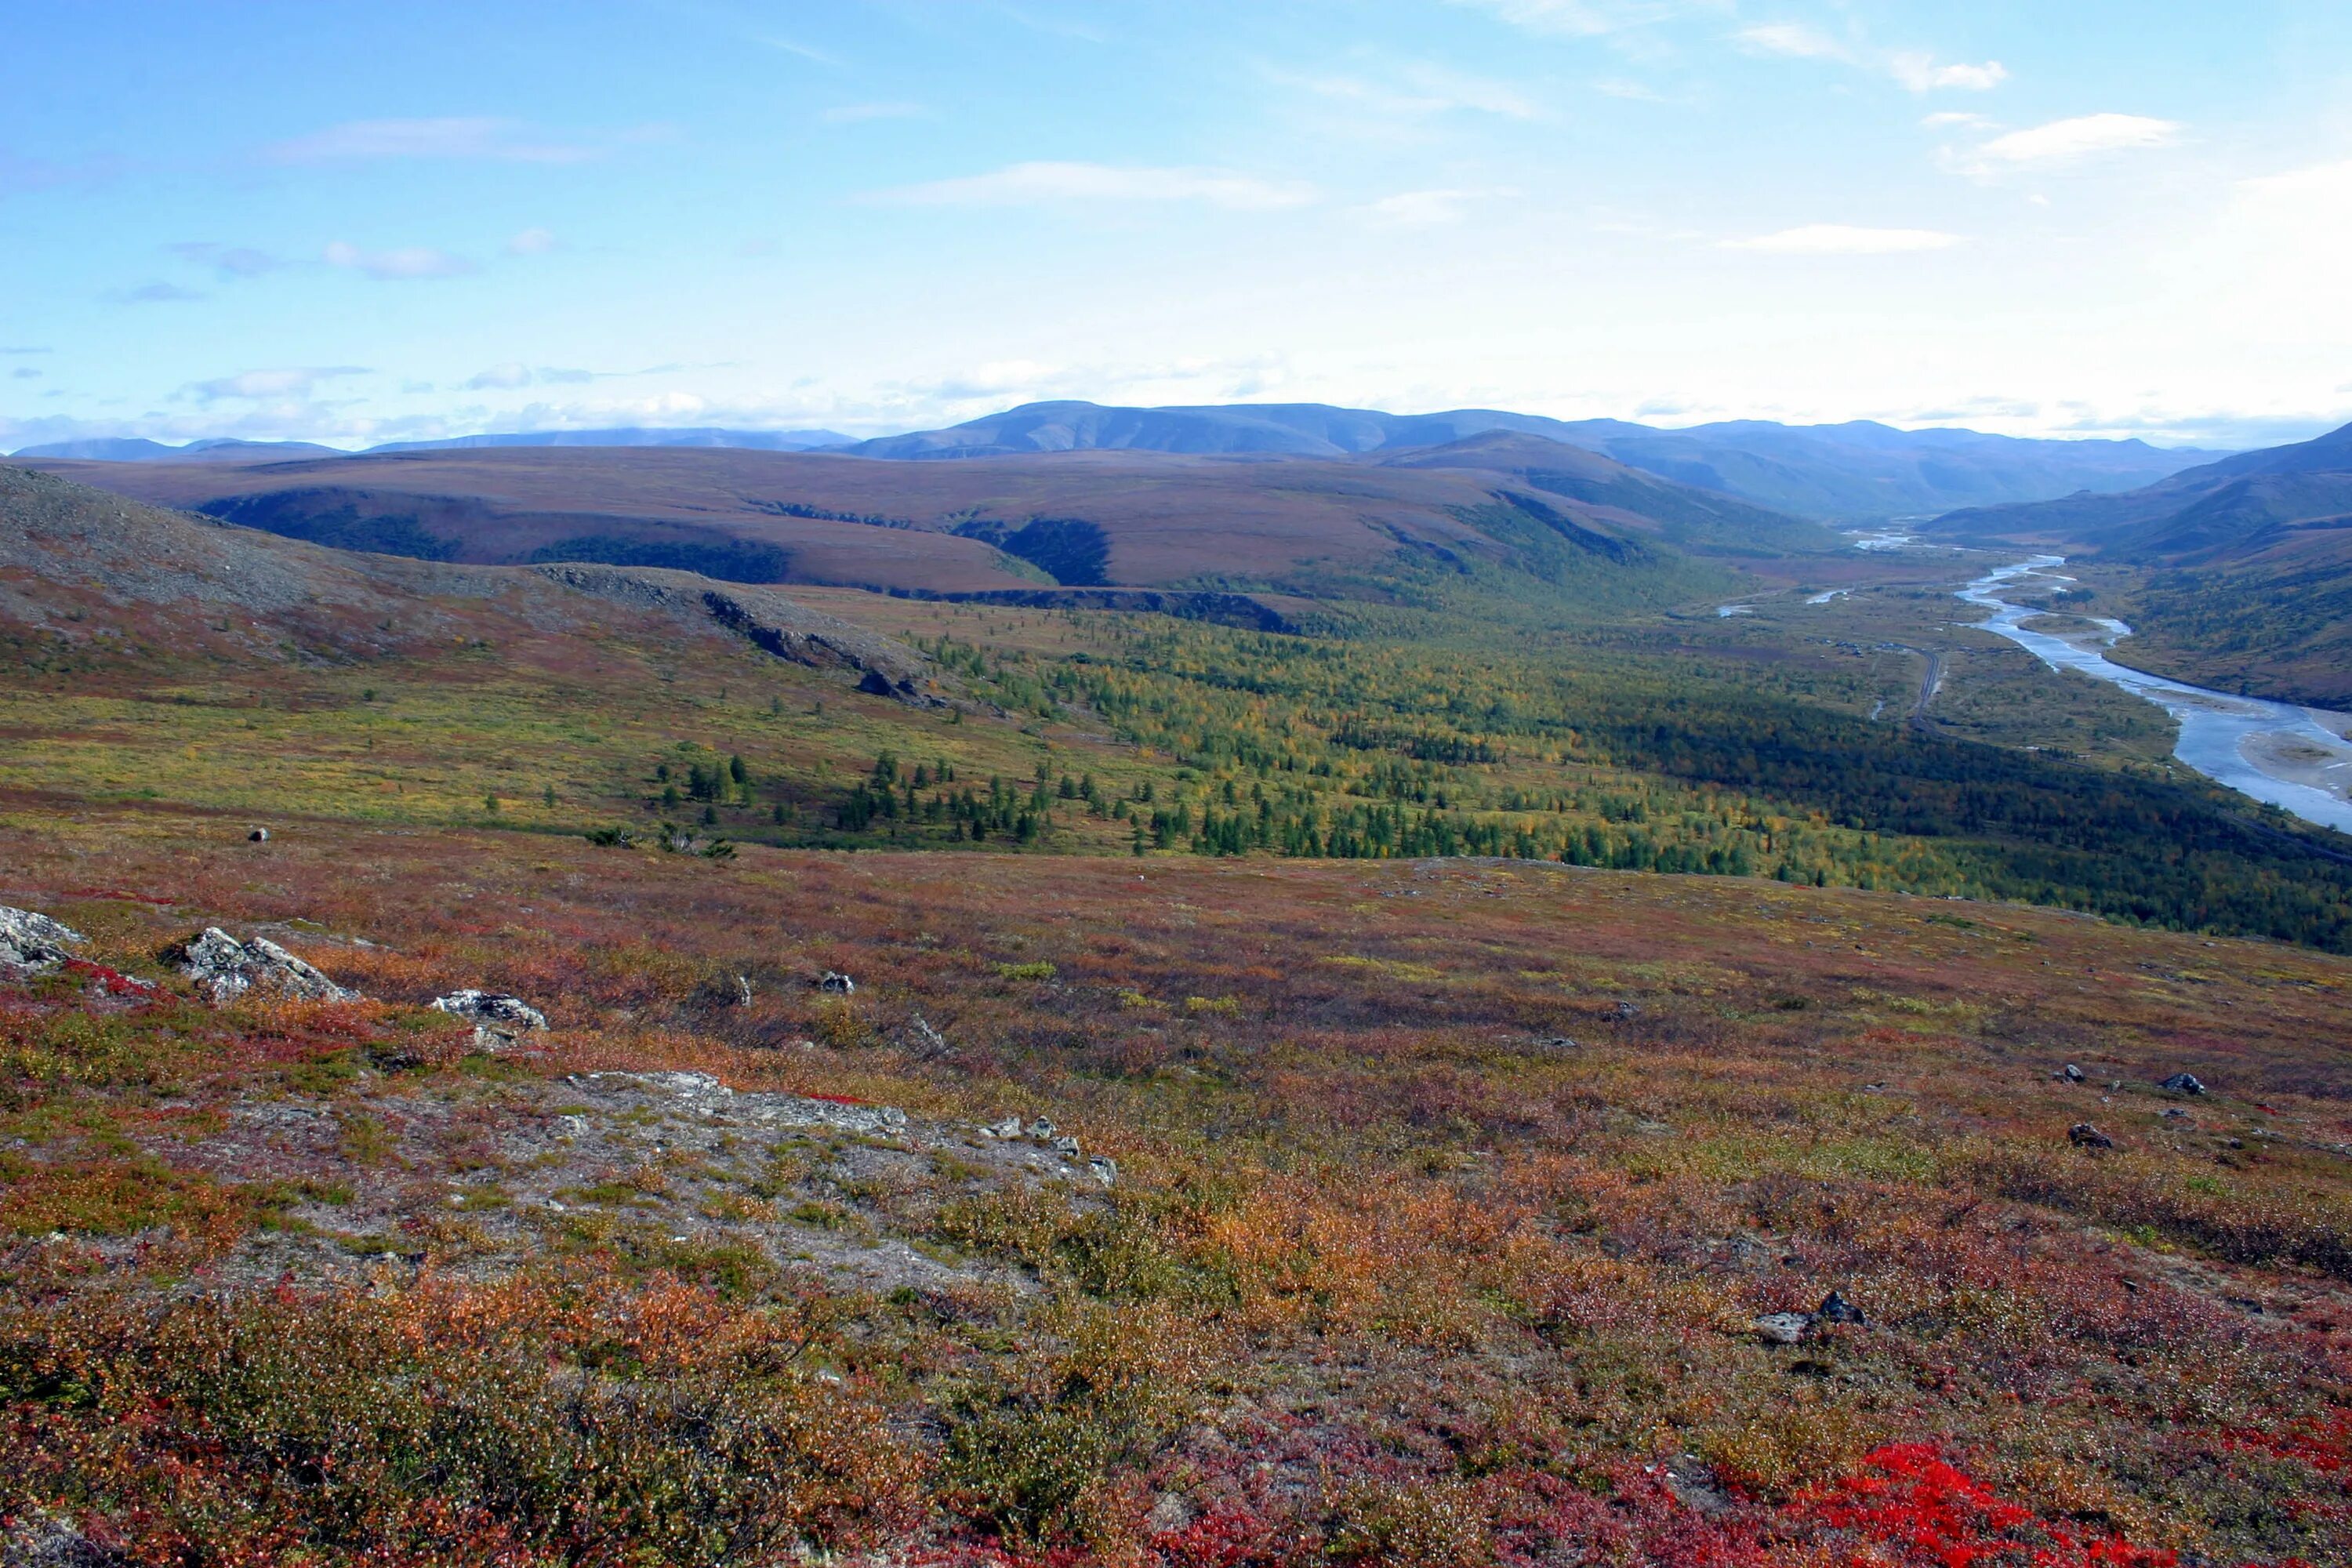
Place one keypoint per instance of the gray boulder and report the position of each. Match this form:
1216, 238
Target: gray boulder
32, 944
1784, 1328
40, 1539
2183, 1083
500, 1021
229, 968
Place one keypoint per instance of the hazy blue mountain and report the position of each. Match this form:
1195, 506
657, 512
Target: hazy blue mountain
1854, 470
635, 436
2218, 508
137, 449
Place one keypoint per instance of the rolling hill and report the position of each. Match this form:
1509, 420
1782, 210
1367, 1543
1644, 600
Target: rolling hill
2247, 564
1348, 528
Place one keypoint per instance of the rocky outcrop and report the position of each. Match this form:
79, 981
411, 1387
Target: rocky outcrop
500, 1022
228, 968
32, 944
767, 620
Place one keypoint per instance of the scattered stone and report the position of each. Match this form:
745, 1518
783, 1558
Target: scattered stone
2183, 1083
1041, 1130
1628, 1010
743, 991
2174, 1114
500, 1021
929, 1044
837, 984
1836, 1308
229, 968
1554, 1043
1067, 1146
1009, 1128
1694, 1485
1785, 1328
258, 835
2069, 1072
34, 943
2082, 1135
1170, 1514
1104, 1169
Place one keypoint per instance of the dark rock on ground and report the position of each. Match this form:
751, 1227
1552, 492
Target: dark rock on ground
2183, 1083
2082, 1135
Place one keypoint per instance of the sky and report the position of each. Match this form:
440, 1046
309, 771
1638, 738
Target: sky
355, 224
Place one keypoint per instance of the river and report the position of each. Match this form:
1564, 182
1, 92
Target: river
2274, 751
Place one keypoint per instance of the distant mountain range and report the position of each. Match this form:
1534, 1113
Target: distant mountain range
2251, 588
1857, 470
1853, 471
134, 449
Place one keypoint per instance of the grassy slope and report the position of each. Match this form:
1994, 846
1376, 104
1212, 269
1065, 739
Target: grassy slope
1384, 1279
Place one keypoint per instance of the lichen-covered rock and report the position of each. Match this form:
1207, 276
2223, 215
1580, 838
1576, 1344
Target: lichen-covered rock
500, 1021
40, 1539
834, 982
2082, 1135
229, 968
2183, 1083
1784, 1328
34, 943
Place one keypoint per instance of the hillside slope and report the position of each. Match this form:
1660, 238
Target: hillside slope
2246, 566
1076, 520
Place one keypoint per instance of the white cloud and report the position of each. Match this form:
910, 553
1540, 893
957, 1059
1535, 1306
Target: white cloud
1035, 183
2084, 136
1845, 240
475, 137
1953, 118
1913, 68
1795, 40
293, 381
406, 262
531, 242
1424, 209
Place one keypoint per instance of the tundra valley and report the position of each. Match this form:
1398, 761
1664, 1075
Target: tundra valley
1434, 783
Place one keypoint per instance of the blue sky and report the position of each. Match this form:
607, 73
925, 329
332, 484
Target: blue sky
355, 223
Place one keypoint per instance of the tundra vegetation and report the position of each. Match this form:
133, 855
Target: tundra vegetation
1195, 1097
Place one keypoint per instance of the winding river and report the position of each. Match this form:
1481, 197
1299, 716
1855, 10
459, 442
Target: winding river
2274, 751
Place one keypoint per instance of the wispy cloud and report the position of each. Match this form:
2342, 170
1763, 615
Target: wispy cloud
1582, 18
1844, 240
806, 51
531, 242
1049, 183
228, 260
508, 376
1426, 209
412, 261
28, 349
1415, 90
474, 137
1915, 69
2084, 136
292, 382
